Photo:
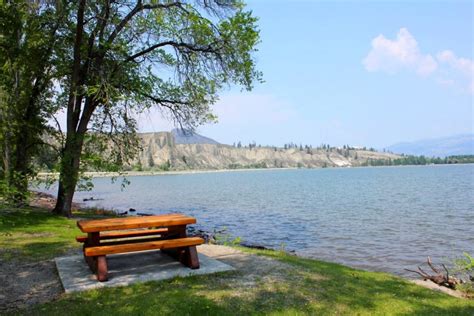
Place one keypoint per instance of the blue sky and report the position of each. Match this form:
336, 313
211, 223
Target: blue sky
368, 73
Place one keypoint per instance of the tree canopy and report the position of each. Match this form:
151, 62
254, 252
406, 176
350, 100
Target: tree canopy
28, 35
124, 57
103, 62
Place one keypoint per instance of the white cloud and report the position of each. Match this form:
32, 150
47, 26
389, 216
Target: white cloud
461, 68
463, 65
394, 55
426, 65
403, 53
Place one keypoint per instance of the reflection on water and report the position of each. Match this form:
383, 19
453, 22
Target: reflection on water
375, 218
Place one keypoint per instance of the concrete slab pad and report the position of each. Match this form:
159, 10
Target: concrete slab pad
125, 269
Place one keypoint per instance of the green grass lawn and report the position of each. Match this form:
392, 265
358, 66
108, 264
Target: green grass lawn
33, 234
306, 287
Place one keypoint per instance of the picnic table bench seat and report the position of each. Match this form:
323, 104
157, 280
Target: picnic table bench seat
142, 246
127, 234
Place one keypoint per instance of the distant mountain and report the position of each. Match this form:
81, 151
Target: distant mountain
183, 136
437, 147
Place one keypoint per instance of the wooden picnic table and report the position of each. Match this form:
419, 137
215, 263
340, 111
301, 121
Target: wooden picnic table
130, 234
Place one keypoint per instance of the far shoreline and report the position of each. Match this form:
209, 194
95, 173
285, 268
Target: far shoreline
105, 174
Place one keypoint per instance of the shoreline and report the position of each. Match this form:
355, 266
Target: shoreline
106, 174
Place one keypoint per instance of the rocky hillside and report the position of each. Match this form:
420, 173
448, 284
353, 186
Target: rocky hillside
161, 151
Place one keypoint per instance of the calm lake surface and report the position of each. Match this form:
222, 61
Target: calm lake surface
382, 219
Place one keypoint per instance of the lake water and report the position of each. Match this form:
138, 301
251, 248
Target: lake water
382, 219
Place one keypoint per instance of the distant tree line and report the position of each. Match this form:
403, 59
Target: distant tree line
419, 160
257, 165
307, 148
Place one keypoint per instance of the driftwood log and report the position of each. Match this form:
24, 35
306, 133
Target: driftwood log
441, 277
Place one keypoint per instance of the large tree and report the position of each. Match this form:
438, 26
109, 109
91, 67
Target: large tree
128, 56
28, 36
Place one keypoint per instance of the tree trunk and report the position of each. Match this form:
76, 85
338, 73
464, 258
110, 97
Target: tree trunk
25, 140
69, 174
64, 201
6, 157
71, 154
19, 174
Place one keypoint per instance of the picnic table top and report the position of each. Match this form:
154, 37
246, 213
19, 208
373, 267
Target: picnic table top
98, 225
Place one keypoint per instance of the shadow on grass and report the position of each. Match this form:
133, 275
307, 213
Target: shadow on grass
42, 250
24, 219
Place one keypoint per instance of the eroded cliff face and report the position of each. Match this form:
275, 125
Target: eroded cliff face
160, 151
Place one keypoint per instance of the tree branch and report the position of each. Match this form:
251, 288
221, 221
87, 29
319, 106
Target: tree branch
177, 45
138, 8
73, 106
161, 100
431, 266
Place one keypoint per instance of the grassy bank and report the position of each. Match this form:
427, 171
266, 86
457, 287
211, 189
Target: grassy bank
302, 287
32, 234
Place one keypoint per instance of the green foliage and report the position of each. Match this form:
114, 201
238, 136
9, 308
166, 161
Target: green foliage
223, 238
137, 167
206, 48
419, 160
165, 166
464, 268
257, 165
466, 263
151, 162
129, 57
8, 191
28, 33
459, 159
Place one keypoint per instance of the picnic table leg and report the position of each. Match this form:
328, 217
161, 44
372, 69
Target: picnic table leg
93, 239
96, 264
101, 268
191, 258
187, 255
